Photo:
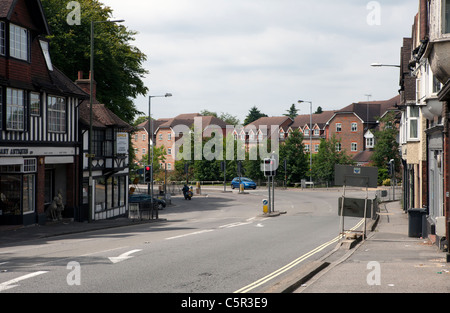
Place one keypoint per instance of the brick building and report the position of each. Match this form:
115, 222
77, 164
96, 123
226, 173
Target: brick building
39, 138
140, 137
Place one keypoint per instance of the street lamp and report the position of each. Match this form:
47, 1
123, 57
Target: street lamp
150, 146
91, 101
310, 139
380, 65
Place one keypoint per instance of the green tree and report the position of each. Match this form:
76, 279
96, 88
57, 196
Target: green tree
292, 112
327, 158
118, 65
319, 110
386, 146
297, 160
253, 115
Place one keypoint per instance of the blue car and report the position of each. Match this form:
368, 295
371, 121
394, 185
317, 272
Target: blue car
247, 182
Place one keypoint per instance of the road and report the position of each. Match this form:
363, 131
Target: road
216, 243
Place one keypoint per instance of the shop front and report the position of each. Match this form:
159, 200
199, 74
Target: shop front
18, 192
31, 178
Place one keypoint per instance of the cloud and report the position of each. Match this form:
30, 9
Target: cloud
229, 55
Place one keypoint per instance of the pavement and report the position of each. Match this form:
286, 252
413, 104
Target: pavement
387, 261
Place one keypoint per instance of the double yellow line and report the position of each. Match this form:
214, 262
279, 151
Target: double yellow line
294, 263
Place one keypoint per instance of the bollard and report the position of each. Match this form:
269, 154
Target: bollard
265, 206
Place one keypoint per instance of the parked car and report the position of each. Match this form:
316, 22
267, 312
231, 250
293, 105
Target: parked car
146, 199
247, 182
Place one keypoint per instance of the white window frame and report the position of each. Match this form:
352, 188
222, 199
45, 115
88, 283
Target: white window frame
15, 109
307, 148
338, 147
2, 38
370, 142
354, 127
57, 112
413, 135
338, 127
354, 147
19, 42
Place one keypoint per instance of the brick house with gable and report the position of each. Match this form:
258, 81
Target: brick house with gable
166, 137
39, 138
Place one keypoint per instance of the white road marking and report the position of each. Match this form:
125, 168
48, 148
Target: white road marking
9, 284
191, 234
123, 257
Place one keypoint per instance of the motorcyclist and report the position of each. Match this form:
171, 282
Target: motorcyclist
185, 190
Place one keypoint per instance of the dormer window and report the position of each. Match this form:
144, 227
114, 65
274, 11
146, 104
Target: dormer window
18, 40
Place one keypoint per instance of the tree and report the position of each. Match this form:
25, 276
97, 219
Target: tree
118, 65
226, 117
292, 112
297, 161
327, 158
319, 110
253, 115
386, 146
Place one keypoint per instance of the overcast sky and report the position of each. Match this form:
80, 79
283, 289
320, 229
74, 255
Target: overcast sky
230, 55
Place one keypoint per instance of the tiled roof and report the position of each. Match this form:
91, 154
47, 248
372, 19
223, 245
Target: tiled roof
372, 110
102, 117
319, 119
281, 121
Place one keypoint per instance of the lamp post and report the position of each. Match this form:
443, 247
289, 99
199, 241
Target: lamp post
381, 65
91, 101
310, 139
150, 146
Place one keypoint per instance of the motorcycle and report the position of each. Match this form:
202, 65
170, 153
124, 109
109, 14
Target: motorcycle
188, 194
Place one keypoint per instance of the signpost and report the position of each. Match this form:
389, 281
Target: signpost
269, 167
356, 176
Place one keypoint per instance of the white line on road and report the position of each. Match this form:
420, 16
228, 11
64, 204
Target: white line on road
292, 264
235, 224
9, 284
191, 234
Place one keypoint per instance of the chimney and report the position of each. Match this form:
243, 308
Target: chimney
85, 84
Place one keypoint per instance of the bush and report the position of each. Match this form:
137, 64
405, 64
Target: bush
387, 182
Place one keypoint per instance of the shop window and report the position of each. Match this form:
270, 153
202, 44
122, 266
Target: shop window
28, 194
10, 194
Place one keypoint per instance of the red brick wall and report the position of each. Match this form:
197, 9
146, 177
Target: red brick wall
140, 144
346, 136
168, 144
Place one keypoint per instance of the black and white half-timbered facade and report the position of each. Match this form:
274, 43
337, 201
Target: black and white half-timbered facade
39, 135
109, 158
